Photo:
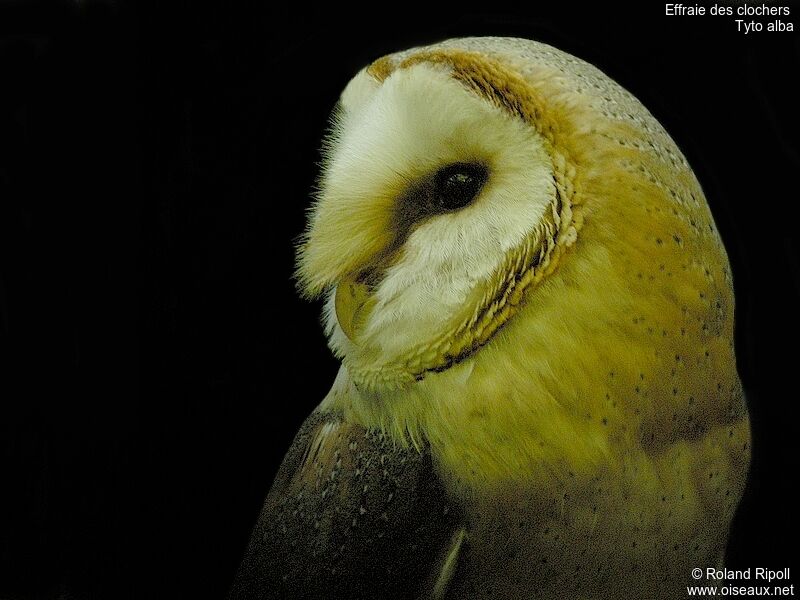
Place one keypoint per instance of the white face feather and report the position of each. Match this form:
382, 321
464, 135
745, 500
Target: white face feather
387, 137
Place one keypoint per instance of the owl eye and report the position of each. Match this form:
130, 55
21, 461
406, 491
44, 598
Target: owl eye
458, 184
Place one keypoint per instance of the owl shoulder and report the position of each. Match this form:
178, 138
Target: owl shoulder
351, 514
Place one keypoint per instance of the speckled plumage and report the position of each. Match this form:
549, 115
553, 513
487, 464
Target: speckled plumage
562, 348
346, 501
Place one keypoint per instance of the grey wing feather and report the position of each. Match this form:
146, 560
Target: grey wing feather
351, 515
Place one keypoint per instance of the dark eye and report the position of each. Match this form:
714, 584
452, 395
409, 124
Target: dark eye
458, 184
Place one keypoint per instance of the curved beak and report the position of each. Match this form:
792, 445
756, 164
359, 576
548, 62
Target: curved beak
353, 304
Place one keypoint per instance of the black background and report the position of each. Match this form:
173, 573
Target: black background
156, 162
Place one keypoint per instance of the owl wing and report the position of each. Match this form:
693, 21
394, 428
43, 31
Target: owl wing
351, 515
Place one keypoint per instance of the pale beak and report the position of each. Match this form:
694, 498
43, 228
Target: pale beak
353, 305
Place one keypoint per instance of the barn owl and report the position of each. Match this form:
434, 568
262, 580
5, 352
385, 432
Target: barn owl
538, 395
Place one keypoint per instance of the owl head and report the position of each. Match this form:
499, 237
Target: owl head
438, 201
471, 182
